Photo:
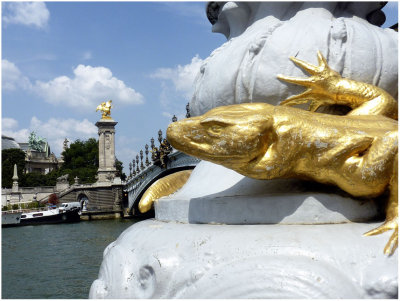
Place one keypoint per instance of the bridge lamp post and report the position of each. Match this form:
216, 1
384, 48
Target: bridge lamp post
141, 160
137, 164
130, 169
152, 143
187, 111
160, 136
133, 167
147, 154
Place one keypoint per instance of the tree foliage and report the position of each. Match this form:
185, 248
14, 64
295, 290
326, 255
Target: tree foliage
81, 160
119, 166
34, 179
9, 157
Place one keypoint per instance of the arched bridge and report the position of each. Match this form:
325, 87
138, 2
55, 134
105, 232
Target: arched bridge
137, 184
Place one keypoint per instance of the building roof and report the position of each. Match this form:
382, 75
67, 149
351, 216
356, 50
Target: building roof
8, 142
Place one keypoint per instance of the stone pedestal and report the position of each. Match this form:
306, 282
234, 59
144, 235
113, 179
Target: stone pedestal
154, 259
107, 169
240, 242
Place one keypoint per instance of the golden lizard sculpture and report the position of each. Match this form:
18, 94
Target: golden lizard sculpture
356, 152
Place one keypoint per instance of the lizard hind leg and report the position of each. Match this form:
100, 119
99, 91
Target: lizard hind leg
321, 77
391, 222
315, 100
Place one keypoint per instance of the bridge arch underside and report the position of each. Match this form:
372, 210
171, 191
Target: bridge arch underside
134, 202
83, 200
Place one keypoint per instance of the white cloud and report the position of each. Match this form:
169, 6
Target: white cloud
87, 88
53, 130
9, 127
167, 114
182, 77
26, 13
64, 128
12, 77
194, 12
8, 123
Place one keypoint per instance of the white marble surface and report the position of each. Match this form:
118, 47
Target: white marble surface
154, 259
262, 37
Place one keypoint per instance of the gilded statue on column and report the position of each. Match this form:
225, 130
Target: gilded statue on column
105, 109
357, 152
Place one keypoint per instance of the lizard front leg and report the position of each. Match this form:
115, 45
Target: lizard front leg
327, 87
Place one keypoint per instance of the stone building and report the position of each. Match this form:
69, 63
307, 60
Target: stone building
39, 159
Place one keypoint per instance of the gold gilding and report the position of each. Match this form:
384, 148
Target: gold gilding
105, 109
163, 187
356, 152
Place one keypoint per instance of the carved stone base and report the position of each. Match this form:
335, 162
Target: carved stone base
285, 240
215, 194
106, 176
154, 259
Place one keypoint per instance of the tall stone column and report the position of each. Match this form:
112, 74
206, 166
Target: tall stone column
15, 179
107, 168
15, 193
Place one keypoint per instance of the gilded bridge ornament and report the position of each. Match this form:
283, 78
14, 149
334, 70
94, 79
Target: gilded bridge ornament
163, 187
105, 109
356, 152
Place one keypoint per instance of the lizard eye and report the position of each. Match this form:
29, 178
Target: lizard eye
215, 130
214, 126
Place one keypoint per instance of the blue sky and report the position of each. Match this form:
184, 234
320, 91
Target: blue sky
61, 59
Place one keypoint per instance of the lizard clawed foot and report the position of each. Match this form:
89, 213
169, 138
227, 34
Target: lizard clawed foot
392, 244
320, 85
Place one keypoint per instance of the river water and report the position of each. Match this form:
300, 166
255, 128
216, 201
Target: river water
55, 261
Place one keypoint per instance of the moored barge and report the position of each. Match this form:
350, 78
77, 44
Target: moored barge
50, 216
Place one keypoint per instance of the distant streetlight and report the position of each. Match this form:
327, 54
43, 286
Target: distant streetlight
187, 111
160, 135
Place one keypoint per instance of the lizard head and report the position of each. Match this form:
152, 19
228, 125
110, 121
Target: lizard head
230, 135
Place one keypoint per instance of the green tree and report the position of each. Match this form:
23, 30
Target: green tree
119, 166
33, 179
51, 177
9, 157
81, 160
